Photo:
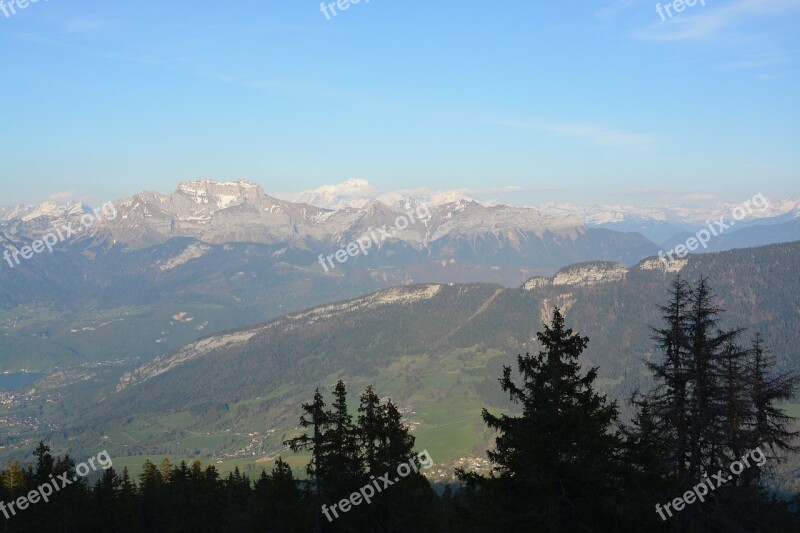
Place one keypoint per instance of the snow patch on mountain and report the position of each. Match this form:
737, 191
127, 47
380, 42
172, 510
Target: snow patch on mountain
353, 193
221, 195
357, 193
45, 210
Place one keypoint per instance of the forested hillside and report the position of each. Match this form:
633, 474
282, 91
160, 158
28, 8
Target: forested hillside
436, 350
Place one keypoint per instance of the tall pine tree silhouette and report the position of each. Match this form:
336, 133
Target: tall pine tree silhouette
314, 415
556, 463
713, 403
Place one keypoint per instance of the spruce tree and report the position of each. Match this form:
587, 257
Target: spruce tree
667, 402
127, 501
734, 403
371, 428
342, 450
44, 463
768, 387
279, 504
706, 405
398, 445
151, 495
713, 403
314, 415
556, 464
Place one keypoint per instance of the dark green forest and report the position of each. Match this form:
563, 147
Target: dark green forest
706, 435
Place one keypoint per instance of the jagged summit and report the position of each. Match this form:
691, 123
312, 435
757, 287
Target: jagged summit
221, 194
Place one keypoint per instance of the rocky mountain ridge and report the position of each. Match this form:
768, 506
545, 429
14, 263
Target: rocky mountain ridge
208, 210
221, 212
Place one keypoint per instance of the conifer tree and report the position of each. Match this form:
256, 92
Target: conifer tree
316, 416
556, 463
106, 509
734, 404
667, 402
126, 500
151, 491
279, 504
370, 423
713, 403
342, 457
769, 387
398, 446
342, 447
706, 404
44, 463
238, 500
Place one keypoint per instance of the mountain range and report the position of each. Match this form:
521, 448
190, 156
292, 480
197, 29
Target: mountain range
219, 204
166, 269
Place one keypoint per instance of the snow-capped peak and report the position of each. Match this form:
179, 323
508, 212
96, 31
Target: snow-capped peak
356, 193
351, 193
611, 214
48, 210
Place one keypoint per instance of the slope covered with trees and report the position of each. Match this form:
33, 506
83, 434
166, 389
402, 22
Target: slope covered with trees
562, 461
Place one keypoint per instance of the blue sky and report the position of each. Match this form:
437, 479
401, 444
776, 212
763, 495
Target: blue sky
564, 101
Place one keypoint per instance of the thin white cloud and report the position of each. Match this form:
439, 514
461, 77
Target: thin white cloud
767, 77
754, 63
666, 194
644, 191
260, 84
697, 197
596, 134
467, 191
706, 21
614, 8
85, 25
64, 196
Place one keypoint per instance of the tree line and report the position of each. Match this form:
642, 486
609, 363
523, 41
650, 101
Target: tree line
563, 461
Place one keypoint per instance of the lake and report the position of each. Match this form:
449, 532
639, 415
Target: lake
18, 380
